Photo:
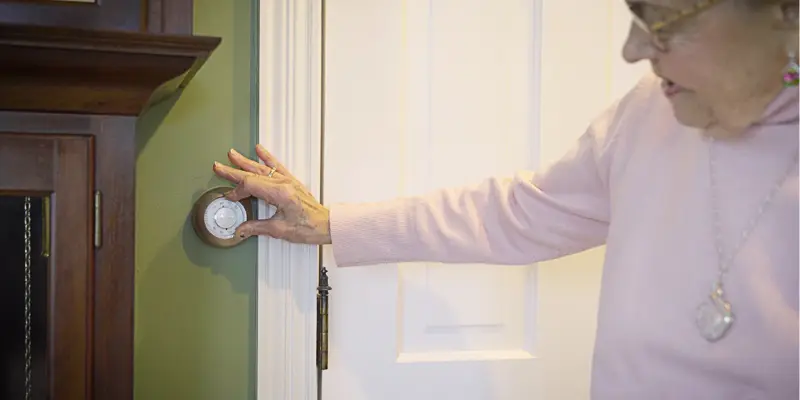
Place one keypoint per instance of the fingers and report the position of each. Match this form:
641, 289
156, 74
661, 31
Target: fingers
262, 188
267, 227
272, 162
247, 188
247, 164
251, 166
231, 174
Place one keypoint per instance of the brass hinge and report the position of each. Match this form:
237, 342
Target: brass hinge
322, 320
98, 219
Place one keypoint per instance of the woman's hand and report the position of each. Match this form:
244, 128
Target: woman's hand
299, 218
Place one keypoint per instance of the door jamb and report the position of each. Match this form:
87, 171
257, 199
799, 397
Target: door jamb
290, 126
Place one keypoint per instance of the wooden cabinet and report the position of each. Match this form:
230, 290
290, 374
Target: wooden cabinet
69, 101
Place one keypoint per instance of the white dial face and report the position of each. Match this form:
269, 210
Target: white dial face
223, 216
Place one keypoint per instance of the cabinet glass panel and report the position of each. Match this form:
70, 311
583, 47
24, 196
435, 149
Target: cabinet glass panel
23, 298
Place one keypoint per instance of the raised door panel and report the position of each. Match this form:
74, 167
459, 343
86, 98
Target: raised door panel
53, 175
465, 313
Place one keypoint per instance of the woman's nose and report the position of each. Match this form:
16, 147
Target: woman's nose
638, 46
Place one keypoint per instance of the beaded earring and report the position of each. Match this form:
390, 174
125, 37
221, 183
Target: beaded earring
792, 71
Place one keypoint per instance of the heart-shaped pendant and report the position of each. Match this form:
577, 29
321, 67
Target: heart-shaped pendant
714, 317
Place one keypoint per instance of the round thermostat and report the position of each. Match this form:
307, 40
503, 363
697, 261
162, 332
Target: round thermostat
216, 218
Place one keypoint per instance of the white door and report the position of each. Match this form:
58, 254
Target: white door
424, 94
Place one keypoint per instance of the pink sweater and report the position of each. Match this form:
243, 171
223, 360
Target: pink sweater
638, 182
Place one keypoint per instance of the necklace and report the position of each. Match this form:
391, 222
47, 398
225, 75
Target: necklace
714, 316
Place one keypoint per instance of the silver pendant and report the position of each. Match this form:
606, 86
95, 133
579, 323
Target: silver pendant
714, 316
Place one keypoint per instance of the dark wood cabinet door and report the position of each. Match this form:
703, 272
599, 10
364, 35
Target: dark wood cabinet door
57, 171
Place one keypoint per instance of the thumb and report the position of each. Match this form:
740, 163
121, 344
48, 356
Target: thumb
268, 227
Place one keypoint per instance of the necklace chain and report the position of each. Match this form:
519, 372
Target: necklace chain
725, 262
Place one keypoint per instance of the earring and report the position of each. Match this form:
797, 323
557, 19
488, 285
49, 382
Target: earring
791, 74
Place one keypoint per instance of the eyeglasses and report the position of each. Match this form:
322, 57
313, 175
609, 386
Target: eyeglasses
657, 30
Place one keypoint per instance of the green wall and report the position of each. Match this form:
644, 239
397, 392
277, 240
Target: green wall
195, 305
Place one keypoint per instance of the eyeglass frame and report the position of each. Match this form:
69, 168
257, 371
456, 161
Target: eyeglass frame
655, 28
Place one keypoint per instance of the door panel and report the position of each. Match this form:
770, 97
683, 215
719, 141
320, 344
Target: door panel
465, 312
439, 95
58, 169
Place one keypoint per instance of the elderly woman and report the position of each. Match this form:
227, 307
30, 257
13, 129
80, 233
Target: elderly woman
691, 180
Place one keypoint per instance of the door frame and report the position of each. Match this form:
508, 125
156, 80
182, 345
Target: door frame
290, 126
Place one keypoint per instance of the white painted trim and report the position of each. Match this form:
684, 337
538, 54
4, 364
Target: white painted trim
535, 116
289, 115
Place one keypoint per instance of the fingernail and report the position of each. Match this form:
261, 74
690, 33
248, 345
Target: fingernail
216, 164
234, 152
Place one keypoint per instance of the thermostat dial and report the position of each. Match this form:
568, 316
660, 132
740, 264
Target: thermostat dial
216, 218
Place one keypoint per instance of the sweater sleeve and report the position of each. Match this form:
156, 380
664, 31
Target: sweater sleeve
531, 217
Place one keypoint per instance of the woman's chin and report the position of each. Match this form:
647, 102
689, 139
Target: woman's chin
690, 112
701, 117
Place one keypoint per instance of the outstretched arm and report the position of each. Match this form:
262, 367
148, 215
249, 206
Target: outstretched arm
532, 217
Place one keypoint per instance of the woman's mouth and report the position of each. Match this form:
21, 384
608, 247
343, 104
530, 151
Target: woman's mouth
670, 88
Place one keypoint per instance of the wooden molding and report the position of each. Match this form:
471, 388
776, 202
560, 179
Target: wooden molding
67, 70
290, 126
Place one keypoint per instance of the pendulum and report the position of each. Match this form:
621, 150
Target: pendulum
714, 316
27, 309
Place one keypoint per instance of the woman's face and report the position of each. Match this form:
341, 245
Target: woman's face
722, 66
